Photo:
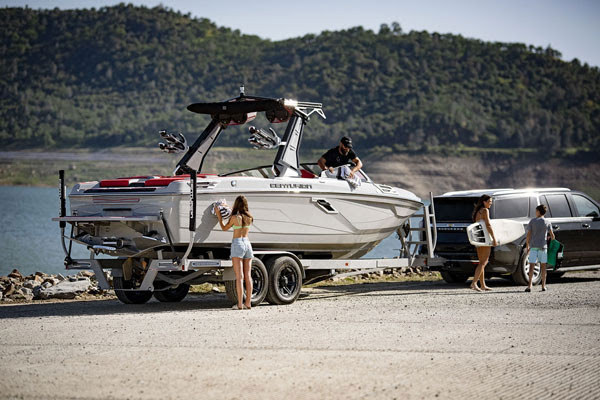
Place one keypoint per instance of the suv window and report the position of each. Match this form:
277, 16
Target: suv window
585, 208
533, 203
515, 207
558, 205
454, 209
544, 202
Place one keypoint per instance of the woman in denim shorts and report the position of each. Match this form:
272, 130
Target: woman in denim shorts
241, 249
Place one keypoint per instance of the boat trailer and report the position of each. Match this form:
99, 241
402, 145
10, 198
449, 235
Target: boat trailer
277, 275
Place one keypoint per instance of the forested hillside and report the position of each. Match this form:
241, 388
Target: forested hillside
116, 75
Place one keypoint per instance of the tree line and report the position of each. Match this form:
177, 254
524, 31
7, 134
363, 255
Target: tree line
117, 75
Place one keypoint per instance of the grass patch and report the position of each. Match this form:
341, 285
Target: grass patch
206, 288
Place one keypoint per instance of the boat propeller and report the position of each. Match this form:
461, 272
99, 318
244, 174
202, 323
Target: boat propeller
261, 139
175, 143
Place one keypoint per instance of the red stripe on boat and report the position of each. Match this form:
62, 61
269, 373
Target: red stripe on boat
163, 181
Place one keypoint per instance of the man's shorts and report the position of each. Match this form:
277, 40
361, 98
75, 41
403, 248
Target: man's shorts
241, 248
538, 255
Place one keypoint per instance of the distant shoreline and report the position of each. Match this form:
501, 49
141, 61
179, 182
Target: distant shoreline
417, 171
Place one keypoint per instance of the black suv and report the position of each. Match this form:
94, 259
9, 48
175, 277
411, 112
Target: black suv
575, 219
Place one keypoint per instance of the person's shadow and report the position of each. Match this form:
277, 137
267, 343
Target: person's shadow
432, 288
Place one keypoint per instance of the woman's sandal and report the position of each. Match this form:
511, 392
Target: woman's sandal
235, 307
475, 288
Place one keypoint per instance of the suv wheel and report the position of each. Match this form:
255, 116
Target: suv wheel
454, 277
521, 274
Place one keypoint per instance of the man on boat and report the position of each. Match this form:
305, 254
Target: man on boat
340, 155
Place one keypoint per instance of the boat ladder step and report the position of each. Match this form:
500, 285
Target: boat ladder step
417, 242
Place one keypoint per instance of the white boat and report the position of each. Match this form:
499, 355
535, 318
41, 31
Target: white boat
295, 207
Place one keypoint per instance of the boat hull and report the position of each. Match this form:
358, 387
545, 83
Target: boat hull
291, 216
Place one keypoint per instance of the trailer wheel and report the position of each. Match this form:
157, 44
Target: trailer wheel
172, 295
285, 280
260, 284
130, 297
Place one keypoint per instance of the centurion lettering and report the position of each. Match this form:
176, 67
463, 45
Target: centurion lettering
290, 186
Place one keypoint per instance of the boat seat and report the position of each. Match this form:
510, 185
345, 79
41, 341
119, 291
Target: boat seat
166, 180
121, 182
307, 174
146, 180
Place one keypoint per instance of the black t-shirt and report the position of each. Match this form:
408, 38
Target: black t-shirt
333, 158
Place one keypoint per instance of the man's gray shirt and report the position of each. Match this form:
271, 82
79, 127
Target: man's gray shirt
539, 228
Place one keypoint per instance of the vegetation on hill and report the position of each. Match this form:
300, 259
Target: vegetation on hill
117, 75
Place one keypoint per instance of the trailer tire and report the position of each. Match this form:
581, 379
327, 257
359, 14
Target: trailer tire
285, 280
260, 284
133, 297
454, 277
172, 295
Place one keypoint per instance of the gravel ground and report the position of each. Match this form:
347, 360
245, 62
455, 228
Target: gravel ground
382, 340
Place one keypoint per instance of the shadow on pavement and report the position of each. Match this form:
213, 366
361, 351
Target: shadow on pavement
433, 288
112, 306
214, 302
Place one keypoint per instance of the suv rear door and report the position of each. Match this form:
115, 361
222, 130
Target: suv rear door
587, 215
453, 215
565, 227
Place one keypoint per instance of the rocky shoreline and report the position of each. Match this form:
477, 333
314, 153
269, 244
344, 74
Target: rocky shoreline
15, 287
39, 286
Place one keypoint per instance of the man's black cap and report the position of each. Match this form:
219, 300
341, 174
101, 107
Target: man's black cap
346, 141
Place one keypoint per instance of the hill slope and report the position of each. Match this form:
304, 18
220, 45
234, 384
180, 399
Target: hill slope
115, 76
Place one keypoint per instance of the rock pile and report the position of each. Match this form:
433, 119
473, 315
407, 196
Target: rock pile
388, 273
41, 286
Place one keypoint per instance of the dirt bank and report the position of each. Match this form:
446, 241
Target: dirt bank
420, 173
424, 173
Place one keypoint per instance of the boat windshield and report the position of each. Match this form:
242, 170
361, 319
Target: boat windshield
265, 171
309, 170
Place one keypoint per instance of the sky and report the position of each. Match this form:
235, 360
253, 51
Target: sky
571, 27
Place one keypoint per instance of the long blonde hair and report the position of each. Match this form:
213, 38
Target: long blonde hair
240, 206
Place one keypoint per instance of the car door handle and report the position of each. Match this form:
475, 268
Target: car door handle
555, 227
585, 225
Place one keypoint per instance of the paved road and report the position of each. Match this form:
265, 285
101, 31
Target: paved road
383, 340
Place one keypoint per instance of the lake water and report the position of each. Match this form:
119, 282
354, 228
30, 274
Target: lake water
30, 241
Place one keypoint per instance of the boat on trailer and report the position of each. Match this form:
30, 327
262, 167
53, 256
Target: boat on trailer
163, 222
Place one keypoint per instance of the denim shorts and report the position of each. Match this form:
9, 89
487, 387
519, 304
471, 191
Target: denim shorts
538, 255
241, 248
